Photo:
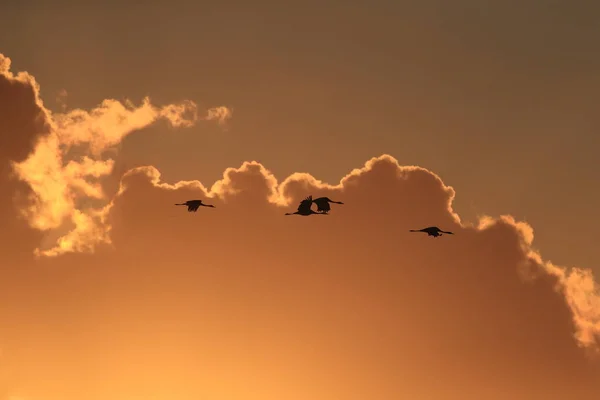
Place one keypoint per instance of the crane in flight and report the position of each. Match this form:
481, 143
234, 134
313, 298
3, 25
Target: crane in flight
323, 204
194, 205
304, 208
432, 231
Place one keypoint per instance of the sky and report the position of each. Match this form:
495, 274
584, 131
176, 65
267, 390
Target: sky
480, 119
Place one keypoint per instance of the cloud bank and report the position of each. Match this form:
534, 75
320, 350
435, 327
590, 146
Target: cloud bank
241, 302
69, 158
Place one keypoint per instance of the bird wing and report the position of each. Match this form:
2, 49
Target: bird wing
322, 204
305, 205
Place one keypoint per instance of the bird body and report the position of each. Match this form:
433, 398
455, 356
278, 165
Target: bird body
432, 231
304, 208
194, 205
323, 204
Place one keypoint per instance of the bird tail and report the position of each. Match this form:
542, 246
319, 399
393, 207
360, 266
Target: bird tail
414, 230
447, 233
180, 204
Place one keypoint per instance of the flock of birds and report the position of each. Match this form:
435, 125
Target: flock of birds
305, 209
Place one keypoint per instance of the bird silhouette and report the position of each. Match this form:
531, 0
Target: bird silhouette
194, 205
432, 231
323, 204
304, 208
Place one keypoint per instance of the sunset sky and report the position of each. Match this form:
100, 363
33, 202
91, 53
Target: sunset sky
478, 117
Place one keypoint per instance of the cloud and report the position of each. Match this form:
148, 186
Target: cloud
65, 169
61, 99
414, 185
241, 302
351, 303
220, 114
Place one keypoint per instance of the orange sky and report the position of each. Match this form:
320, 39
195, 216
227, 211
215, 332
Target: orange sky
108, 291
499, 99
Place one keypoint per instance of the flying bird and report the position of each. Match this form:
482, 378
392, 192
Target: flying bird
304, 208
194, 205
323, 204
432, 231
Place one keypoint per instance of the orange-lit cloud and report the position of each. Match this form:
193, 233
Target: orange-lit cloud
220, 114
61, 99
243, 303
68, 162
578, 285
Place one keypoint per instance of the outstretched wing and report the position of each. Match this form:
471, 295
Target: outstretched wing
322, 204
193, 205
305, 204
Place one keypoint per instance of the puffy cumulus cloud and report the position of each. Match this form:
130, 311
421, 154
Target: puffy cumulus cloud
372, 190
23, 122
65, 168
242, 302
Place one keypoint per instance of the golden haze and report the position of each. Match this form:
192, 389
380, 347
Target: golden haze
107, 291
